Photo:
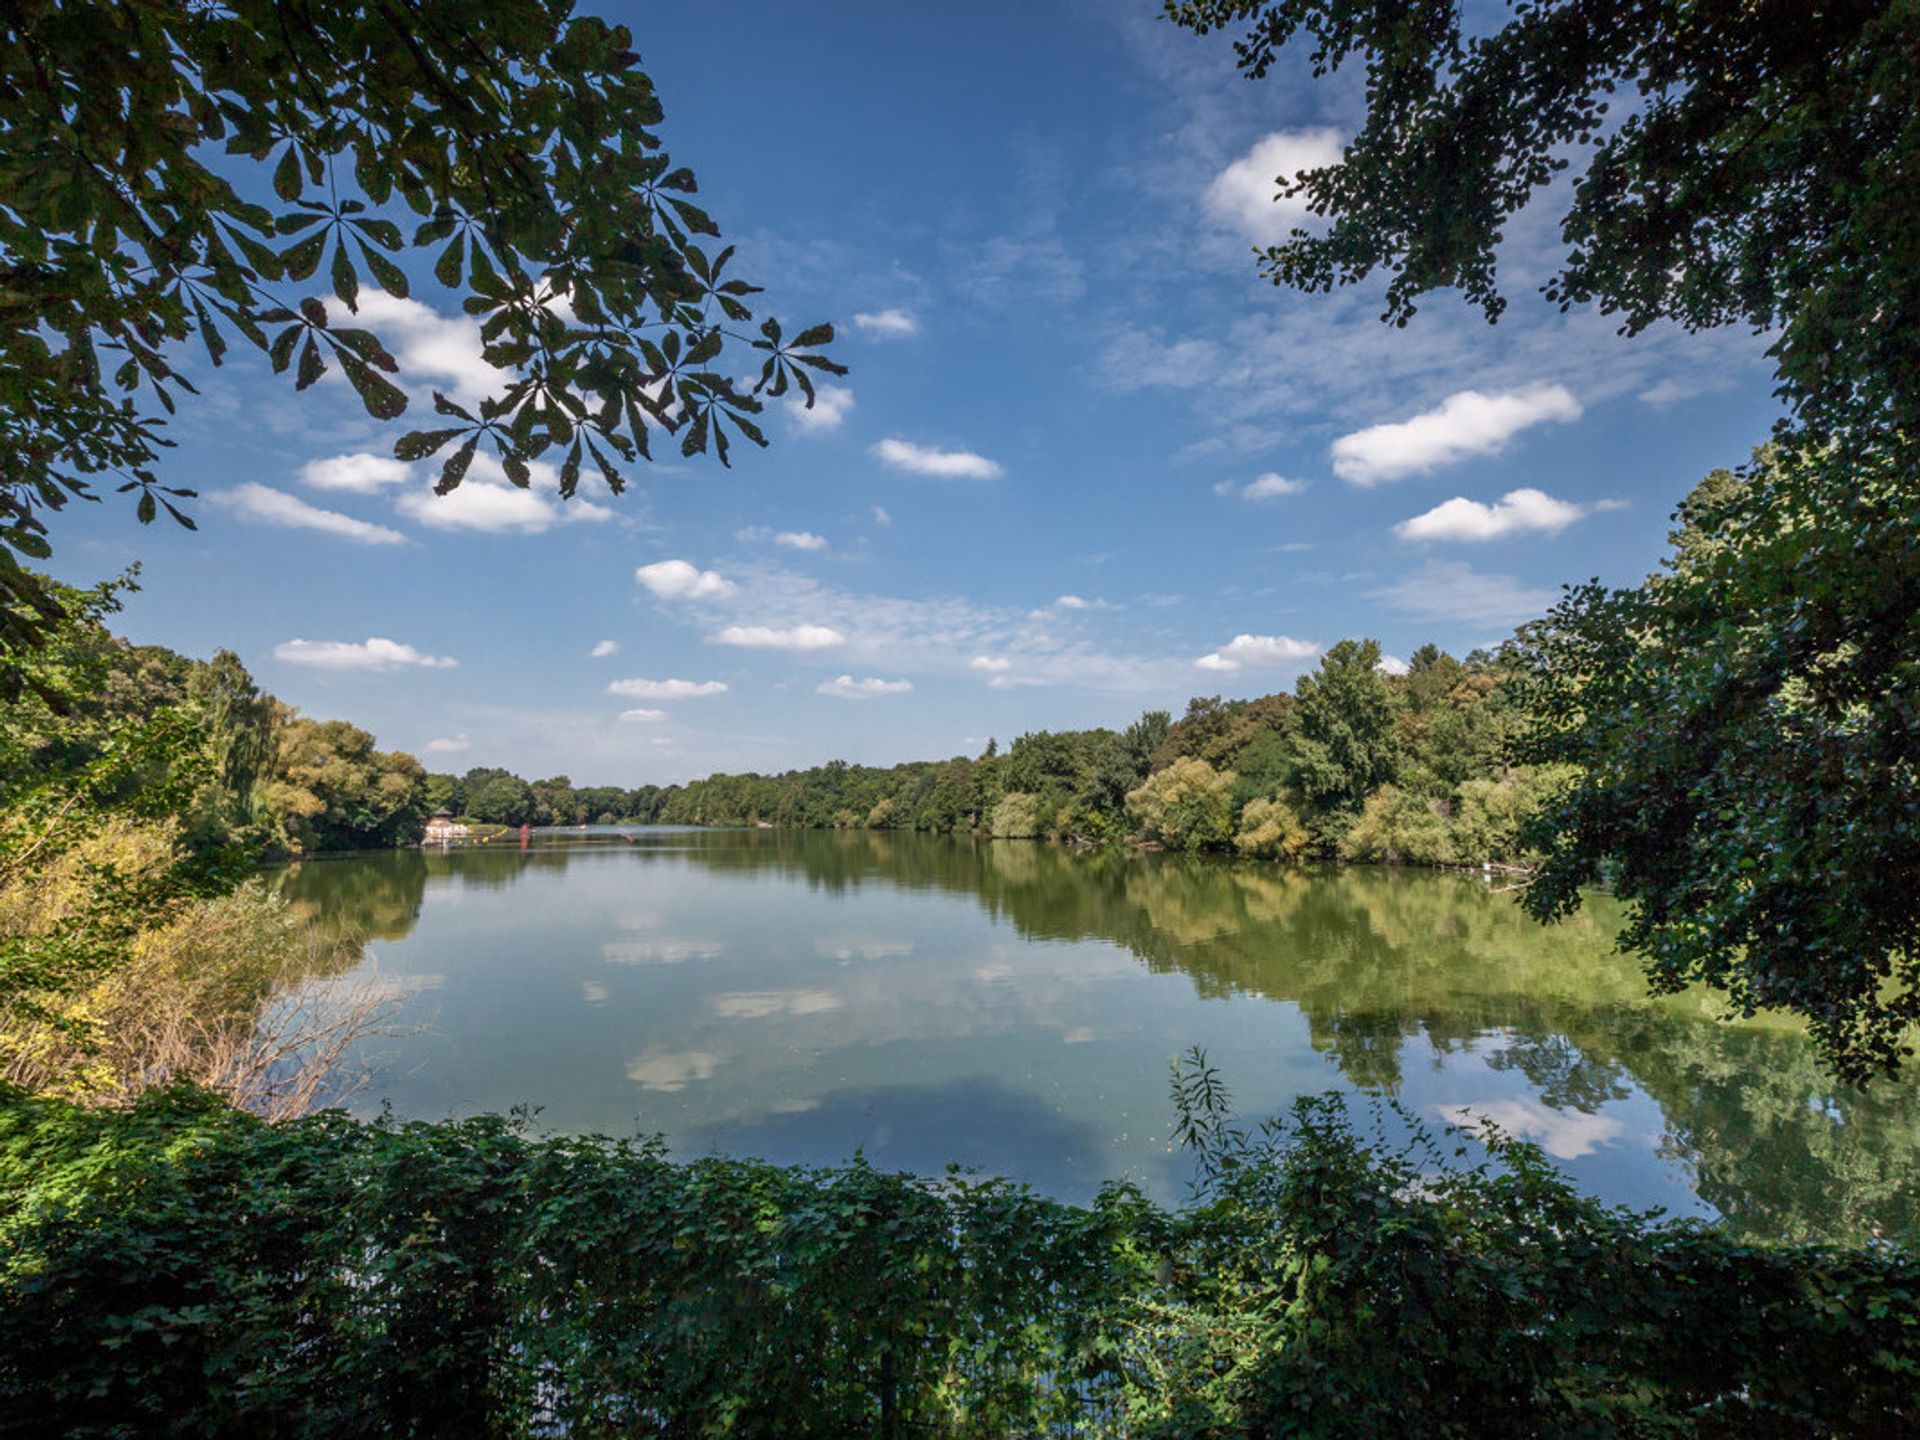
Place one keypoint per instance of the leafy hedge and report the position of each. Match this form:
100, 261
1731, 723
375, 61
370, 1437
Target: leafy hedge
182, 1269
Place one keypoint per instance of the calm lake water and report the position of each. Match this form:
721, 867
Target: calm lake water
1013, 1006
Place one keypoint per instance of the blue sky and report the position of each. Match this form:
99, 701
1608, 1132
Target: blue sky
1086, 463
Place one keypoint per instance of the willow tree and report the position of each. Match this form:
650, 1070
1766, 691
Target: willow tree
238, 173
1748, 721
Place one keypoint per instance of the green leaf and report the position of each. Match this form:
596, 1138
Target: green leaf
312, 365
456, 467
346, 282
210, 335
286, 175
383, 399
383, 233
418, 444
264, 259
282, 352
301, 259
447, 269
391, 277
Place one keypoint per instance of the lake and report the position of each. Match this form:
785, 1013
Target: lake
1013, 1006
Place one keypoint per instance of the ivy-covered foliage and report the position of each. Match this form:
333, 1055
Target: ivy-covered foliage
182, 1269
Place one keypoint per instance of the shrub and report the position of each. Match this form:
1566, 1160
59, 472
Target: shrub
1016, 817
1269, 830
1188, 805
182, 1269
1399, 828
239, 993
1489, 814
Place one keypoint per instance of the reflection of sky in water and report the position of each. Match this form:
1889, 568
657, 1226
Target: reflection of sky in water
791, 1010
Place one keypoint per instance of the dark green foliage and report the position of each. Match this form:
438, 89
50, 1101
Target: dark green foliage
178, 172
1735, 162
1393, 1293
1350, 730
1216, 730
179, 1269
333, 790
100, 739
186, 1270
1747, 725
497, 797
1746, 722
1343, 745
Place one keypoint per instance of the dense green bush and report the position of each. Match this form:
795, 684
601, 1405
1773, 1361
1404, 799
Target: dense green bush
1270, 830
182, 1269
1188, 805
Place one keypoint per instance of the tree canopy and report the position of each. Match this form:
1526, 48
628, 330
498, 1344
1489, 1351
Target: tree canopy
1731, 161
1745, 722
179, 172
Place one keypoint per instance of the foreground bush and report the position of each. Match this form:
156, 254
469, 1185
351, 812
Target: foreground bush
236, 993
184, 1269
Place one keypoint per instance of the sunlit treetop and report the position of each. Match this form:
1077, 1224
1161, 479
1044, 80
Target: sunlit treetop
1731, 162
180, 170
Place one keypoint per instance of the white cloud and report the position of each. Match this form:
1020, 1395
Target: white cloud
891, 635
1464, 424
845, 687
830, 406
990, 664
1033, 265
643, 717
1455, 591
1079, 602
890, 323
374, 653
943, 464
488, 502
670, 1071
443, 350
361, 473
1564, 1134
880, 515
678, 580
604, 648
1266, 487
667, 689
1392, 665
791, 539
1259, 651
759, 1004
1245, 195
765, 637
1518, 512
264, 504
449, 745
